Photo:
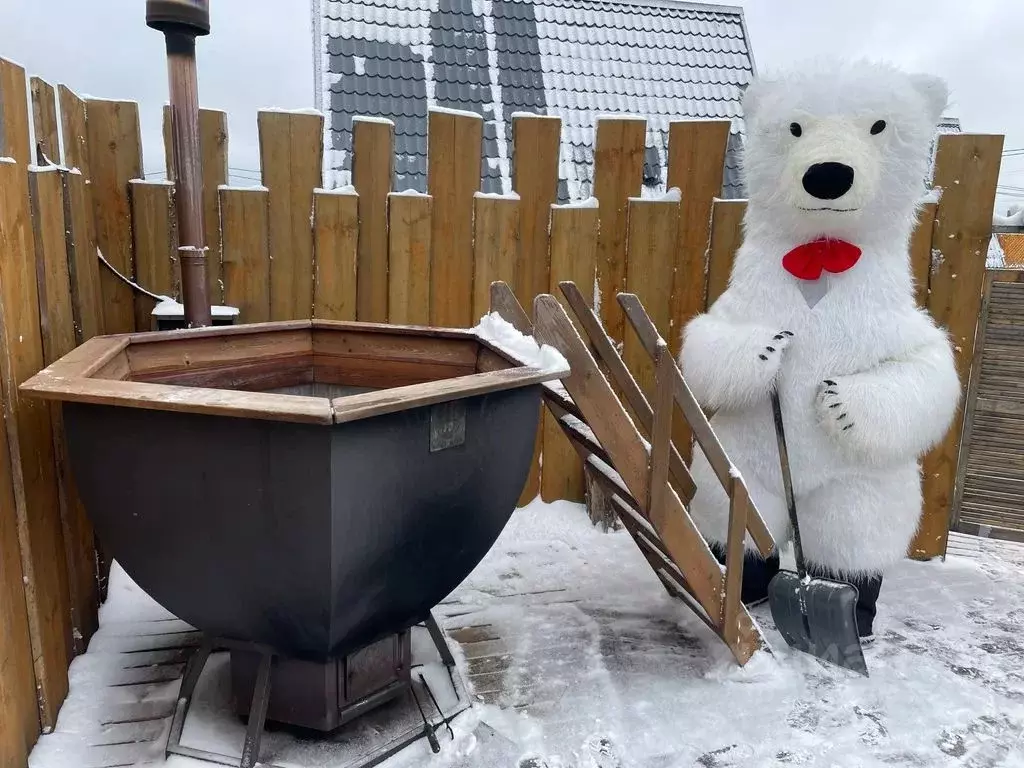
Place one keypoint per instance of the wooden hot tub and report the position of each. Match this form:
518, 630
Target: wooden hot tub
310, 486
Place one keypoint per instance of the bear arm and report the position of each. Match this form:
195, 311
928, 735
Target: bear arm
899, 410
730, 365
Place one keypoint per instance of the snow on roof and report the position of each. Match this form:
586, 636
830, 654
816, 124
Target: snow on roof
398, 59
1014, 217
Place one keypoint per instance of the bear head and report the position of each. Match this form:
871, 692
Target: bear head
839, 149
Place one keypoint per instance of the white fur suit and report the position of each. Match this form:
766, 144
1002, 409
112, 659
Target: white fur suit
866, 379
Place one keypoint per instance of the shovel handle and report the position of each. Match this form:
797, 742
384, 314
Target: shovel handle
787, 483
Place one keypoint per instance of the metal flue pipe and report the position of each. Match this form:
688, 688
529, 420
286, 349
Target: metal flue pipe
182, 21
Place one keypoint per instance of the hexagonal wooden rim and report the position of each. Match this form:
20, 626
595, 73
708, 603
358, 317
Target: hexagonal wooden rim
72, 378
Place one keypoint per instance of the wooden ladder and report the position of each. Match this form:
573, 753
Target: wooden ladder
645, 477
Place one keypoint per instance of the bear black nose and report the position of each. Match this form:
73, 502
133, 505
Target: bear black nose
828, 181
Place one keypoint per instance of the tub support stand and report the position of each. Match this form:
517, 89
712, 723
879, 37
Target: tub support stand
261, 701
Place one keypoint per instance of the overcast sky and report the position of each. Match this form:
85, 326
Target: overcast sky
260, 55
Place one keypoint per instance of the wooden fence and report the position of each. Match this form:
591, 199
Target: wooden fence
289, 249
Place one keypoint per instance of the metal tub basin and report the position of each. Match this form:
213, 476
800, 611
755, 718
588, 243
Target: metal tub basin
307, 486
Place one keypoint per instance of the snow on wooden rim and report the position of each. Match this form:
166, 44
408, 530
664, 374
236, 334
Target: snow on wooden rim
493, 328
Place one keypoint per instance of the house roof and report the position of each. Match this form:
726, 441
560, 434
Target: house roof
1013, 250
575, 59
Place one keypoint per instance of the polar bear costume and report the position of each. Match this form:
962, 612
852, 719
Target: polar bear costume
835, 163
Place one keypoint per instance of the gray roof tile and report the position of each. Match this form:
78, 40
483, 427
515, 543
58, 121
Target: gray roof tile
575, 59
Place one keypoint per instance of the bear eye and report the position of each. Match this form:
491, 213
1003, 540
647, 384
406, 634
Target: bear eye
795, 129
878, 127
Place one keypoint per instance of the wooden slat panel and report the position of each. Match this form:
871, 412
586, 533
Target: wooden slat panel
409, 253
990, 484
14, 116
155, 239
53, 235
291, 148
921, 252
373, 168
453, 177
616, 433
574, 258
495, 247
335, 248
967, 168
618, 176
73, 130
44, 119
614, 367
19, 714
33, 469
115, 156
84, 268
726, 238
535, 152
694, 416
653, 237
244, 226
696, 159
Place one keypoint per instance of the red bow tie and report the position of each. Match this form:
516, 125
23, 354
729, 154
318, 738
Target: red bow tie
808, 260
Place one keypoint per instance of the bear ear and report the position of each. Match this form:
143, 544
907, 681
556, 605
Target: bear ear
935, 93
753, 97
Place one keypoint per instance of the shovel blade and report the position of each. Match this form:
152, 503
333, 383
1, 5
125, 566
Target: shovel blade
818, 617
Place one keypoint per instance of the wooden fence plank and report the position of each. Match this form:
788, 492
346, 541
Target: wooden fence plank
495, 257
921, 252
213, 146
73, 129
967, 169
115, 155
19, 713
726, 238
244, 225
454, 150
44, 119
83, 266
409, 253
53, 235
213, 143
14, 118
618, 176
336, 253
651, 249
155, 240
495, 246
696, 158
373, 168
536, 143
291, 148
573, 257
32, 465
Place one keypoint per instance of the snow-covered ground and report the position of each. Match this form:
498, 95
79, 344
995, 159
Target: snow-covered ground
578, 659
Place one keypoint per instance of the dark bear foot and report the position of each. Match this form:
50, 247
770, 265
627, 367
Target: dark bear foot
757, 573
868, 588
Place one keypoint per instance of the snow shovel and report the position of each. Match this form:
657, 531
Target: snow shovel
814, 615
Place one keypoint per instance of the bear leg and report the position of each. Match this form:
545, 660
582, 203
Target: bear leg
868, 588
855, 527
861, 523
